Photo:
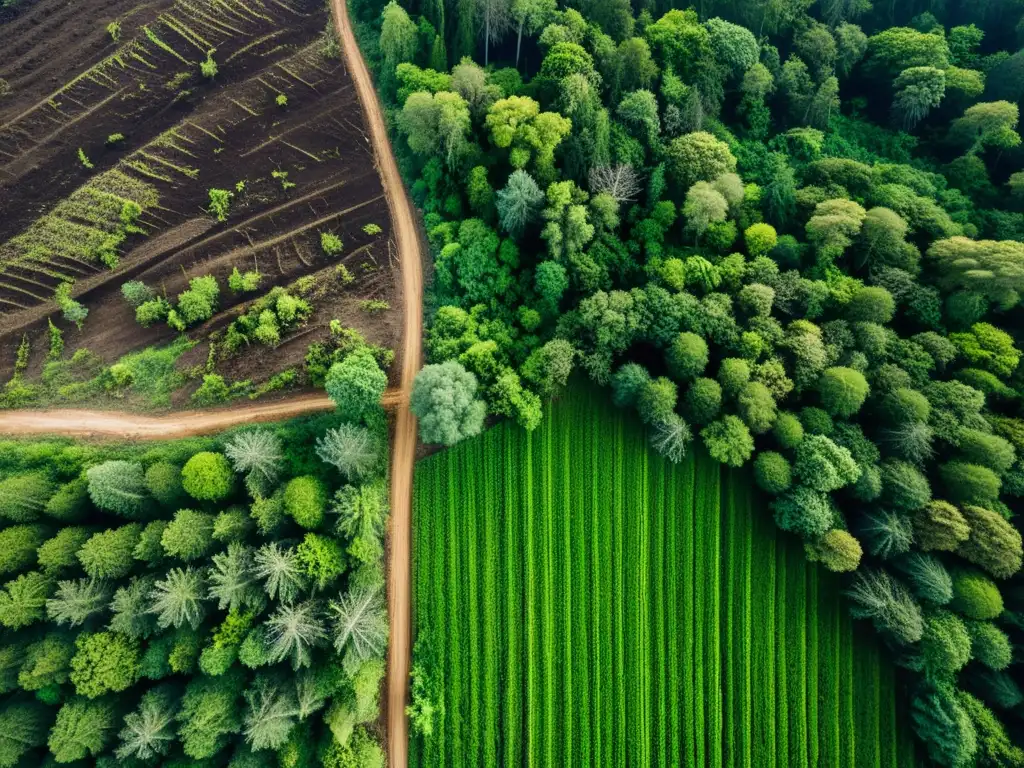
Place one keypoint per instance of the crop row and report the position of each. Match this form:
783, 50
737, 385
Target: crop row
588, 603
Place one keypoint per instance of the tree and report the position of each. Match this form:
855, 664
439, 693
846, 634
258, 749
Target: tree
232, 579
657, 400
989, 267
879, 596
837, 550
991, 124
704, 206
993, 543
163, 481
568, 228
760, 239
196, 304
444, 400
669, 436
888, 533
976, 596
360, 626
517, 124
436, 124
305, 499
398, 40
772, 472
352, 449
804, 511
118, 486
22, 600
83, 728
76, 601
903, 486
294, 631
548, 367
943, 725
756, 406
898, 48
918, 91
702, 401
530, 17
994, 746
356, 384
130, 608
938, 525
110, 555
989, 348
105, 662
23, 727
177, 599
989, 645
270, 716
207, 476
210, 713
698, 156
189, 536
148, 732
620, 181
969, 483
23, 497
322, 559
728, 440
47, 662
280, 570
833, 227
256, 454
842, 391
18, 545
733, 46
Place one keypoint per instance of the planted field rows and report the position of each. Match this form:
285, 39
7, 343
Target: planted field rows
590, 604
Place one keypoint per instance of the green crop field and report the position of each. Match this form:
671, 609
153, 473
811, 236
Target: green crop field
588, 603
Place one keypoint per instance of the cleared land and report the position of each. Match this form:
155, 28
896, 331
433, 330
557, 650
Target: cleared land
279, 126
591, 604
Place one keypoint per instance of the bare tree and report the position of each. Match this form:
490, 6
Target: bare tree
620, 181
497, 21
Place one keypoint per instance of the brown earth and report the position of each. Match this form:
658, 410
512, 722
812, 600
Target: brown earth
186, 135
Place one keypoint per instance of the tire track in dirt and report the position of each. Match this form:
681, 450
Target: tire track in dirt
403, 452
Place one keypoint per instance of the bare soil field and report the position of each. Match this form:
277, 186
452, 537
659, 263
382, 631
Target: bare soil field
296, 166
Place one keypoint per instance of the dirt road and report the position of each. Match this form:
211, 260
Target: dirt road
73, 422
404, 449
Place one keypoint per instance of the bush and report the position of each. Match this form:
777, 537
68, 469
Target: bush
993, 544
330, 243
688, 356
728, 441
189, 536
803, 511
136, 292
772, 472
843, 391
305, 499
976, 596
837, 550
207, 476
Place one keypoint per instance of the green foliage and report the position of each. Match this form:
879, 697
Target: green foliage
83, 728
189, 536
772, 472
305, 499
975, 596
355, 385
321, 558
104, 662
207, 476
728, 440
118, 486
109, 555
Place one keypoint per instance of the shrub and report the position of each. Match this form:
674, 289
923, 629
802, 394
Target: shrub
687, 356
702, 401
189, 536
244, 282
305, 499
330, 243
109, 555
152, 311
136, 293
803, 511
772, 472
207, 476
843, 391
976, 596
728, 441
993, 544
837, 550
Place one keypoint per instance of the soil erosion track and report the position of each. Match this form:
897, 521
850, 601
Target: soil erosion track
81, 423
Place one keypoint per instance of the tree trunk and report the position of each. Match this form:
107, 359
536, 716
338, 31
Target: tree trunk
519, 41
487, 39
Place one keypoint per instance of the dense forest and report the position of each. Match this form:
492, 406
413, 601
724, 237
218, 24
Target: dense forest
789, 230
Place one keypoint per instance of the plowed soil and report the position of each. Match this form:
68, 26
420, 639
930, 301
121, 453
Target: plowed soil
72, 86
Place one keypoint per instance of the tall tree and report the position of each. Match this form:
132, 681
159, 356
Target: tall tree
530, 17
